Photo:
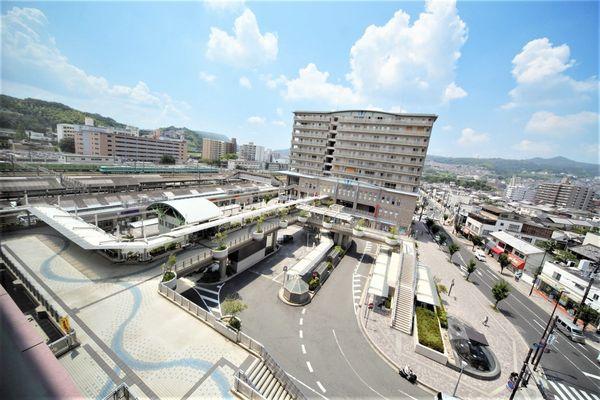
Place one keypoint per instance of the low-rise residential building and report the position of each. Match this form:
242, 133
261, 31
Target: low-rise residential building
522, 255
491, 219
574, 280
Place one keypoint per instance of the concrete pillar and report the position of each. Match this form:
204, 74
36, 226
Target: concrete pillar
223, 268
96, 220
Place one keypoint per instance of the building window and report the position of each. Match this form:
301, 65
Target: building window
556, 276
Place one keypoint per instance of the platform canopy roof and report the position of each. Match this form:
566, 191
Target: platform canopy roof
192, 210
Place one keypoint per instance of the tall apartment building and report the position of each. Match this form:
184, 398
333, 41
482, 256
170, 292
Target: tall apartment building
253, 152
375, 147
128, 147
384, 152
215, 149
565, 194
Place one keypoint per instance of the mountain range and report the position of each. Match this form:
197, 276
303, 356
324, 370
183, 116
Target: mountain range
40, 115
506, 167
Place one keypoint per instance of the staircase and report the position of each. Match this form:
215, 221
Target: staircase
405, 295
260, 378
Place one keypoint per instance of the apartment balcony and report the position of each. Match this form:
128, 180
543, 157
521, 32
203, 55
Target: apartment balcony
393, 140
307, 151
340, 150
303, 134
312, 118
401, 122
376, 168
400, 185
300, 125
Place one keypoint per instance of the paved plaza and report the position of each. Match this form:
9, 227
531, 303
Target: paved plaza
128, 332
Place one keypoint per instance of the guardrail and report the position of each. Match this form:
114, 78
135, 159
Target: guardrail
120, 393
241, 385
239, 338
61, 345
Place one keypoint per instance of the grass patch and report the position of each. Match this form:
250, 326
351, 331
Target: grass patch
429, 330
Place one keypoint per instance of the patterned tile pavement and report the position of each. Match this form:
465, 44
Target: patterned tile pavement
129, 333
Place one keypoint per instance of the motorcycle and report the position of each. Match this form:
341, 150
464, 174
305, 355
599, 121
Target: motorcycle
408, 374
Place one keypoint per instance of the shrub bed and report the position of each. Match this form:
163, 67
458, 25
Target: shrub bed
429, 330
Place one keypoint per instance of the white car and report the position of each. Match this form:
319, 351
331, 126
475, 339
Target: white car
480, 255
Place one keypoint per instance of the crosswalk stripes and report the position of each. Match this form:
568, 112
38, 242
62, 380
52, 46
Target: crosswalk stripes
210, 297
566, 392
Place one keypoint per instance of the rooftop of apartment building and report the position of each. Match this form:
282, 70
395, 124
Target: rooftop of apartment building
373, 111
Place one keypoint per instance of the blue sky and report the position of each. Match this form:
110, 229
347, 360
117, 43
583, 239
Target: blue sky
507, 79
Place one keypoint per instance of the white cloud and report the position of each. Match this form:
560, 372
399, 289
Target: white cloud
534, 148
245, 82
549, 123
469, 137
453, 92
313, 84
410, 62
255, 120
397, 63
278, 123
206, 77
447, 128
224, 5
30, 54
247, 47
540, 72
279, 111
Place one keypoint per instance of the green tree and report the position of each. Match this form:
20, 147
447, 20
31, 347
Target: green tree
500, 291
504, 261
229, 156
231, 307
453, 249
548, 245
220, 238
564, 256
435, 229
471, 267
587, 314
429, 223
476, 240
167, 159
168, 268
67, 145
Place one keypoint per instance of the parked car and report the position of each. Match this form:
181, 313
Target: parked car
571, 330
480, 255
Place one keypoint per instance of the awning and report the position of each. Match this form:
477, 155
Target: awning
497, 250
426, 289
466, 230
516, 261
475, 336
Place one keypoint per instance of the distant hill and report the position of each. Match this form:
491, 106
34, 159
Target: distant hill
39, 115
505, 167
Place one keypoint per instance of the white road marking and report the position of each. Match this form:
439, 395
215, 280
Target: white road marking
538, 324
300, 333
407, 395
586, 395
591, 375
303, 349
559, 390
309, 367
479, 273
301, 321
574, 391
352, 368
303, 311
321, 387
306, 386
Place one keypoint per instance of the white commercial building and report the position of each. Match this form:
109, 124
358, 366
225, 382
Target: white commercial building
522, 255
575, 280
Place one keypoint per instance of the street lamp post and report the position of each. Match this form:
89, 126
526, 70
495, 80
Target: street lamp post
462, 368
587, 292
518, 382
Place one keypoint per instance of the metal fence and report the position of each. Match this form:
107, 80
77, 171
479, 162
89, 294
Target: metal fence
240, 338
61, 345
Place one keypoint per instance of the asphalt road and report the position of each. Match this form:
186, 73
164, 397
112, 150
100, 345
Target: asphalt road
320, 344
568, 364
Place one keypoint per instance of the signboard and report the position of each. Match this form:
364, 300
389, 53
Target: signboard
65, 324
371, 306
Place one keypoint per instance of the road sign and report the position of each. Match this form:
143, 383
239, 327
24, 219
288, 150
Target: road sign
285, 268
371, 306
65, 324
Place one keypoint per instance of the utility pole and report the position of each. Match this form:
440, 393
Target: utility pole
587, 291
560, 294
518, 382
536, 362
539, 271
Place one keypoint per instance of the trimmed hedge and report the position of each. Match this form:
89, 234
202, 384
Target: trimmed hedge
429, 330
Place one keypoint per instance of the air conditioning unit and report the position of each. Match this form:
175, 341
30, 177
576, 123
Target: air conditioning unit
570, 263
584, 265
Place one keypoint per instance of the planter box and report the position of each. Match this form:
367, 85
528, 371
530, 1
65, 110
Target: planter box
220, 254
358, 233
302, 220
172, 283
327, 225
391, 241
283, 224
434, 355
258, 235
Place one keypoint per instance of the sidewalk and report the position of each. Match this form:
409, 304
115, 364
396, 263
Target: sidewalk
465, 303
